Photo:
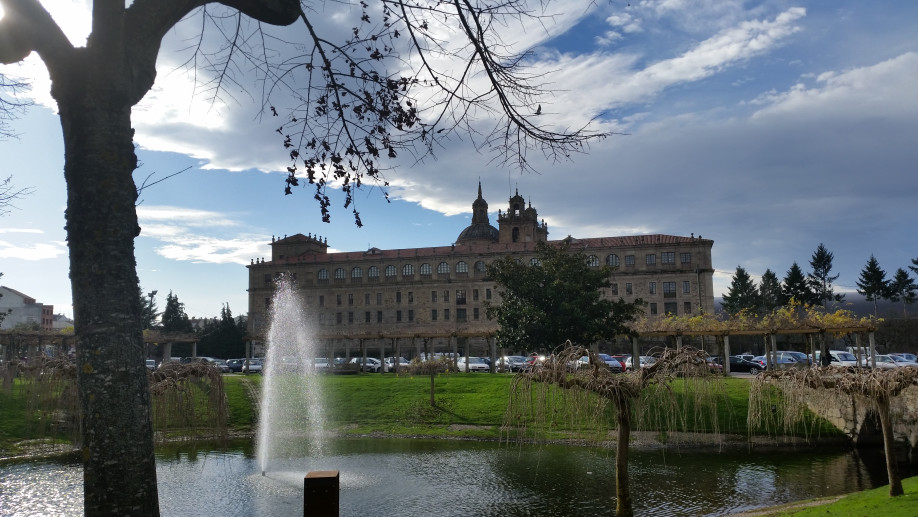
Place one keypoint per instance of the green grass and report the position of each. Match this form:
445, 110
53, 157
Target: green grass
866, 503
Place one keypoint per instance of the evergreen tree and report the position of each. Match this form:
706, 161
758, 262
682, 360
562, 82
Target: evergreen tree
902, 288
821, 277
770, 295
223, 337
796, 287
742, 293
872, 283
914, 266
174, 317
554, 299
147, 308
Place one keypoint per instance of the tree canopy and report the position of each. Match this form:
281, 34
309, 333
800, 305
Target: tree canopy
556, 297
742, 293
872, 283
821, 277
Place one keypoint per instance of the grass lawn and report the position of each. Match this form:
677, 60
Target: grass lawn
867, 503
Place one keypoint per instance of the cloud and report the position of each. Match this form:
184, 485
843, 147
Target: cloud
32, 251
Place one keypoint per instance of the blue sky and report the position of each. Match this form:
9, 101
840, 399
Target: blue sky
769, 127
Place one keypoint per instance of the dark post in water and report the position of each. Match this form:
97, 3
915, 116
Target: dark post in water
321, 494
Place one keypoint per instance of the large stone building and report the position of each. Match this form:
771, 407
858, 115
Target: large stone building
381, 298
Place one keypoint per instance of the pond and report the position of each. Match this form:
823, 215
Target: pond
402, 477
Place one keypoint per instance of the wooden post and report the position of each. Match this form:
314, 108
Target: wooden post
726, 356
320, 498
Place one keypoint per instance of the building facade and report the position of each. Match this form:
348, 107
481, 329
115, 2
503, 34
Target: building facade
22, 309
375, 297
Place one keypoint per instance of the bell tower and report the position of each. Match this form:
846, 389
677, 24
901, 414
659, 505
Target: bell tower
521, 222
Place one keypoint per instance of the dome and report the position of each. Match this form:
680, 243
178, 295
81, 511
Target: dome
478, 232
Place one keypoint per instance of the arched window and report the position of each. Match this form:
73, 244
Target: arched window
373, 272
408, 270
612, 260
480, 267
593, 261
356, 273
323, 274
462, 267
339, 273
390, 270
426, 269
442, 268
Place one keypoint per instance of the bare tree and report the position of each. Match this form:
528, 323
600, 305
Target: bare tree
365, 96
644, 398
10, 193
799, 388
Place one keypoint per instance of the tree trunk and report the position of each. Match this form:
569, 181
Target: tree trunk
889, 447
622, 484
117, 449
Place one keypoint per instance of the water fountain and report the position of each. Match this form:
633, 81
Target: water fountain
291, 417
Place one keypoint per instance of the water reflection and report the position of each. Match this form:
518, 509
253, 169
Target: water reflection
453, 478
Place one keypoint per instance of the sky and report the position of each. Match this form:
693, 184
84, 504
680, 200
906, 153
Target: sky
769, 127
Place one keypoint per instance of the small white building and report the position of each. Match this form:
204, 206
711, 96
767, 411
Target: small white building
22, 308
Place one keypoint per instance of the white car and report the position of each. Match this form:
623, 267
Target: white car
889, 362
252, 366
472, 364
390, 364
646, 360
373, 364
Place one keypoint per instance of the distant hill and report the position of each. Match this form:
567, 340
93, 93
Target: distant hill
861, 307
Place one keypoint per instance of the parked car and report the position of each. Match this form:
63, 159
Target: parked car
784, 360
890, 361
472, 364
803, 359
614, 364
390, 363
838, 358
151, 364
168, 360
908, 357
645, 361
219, 363
321, 364
511, 363
372, 365
738, 364
235, 365
253, 365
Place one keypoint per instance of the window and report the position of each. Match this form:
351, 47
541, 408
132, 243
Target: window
433, 314
398, 297
629, 260
462, 267
628, 288
321, 300
614, 288
653, 309
398, 315
378, 298
534, 261
685, 258
460, 297
268, 277
669, 290
668, 257
408, 270
474, 295
475, 313
686, 287
612, 260
480, 267
366, 298
267, 303
445, 296
460, 315
410, 297
593, 261
373, 272
339, 273
652, 288
445, 314
390, 271
442, 268
433, 296
323, 274
410, 314
366, 317
350, 298
426, 269
687, 308
338, 318
350, 317
337, 299
670, 308
650, 259
487, 294
378, 316
356, 273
